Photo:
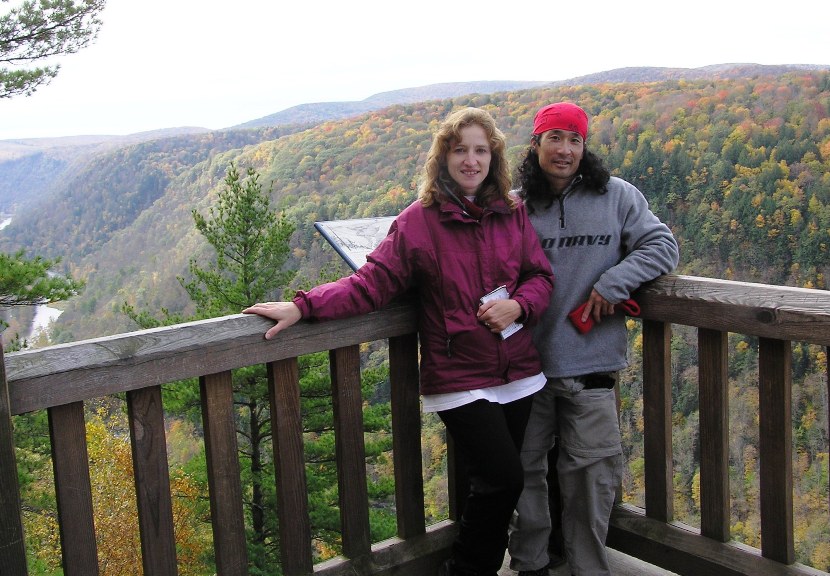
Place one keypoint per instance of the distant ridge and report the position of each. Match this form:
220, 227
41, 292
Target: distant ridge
69, 145
323, 111
29, 167
656, 74
314, 113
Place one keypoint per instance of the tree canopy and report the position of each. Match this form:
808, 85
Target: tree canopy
38, 30
28, 282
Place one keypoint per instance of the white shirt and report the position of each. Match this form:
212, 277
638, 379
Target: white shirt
500, 394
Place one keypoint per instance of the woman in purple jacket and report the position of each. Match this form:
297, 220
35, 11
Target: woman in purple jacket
464, 238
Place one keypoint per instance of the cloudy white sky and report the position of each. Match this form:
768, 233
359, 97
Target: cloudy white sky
167, 63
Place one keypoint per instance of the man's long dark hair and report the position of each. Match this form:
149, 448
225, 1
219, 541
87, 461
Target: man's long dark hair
534, 187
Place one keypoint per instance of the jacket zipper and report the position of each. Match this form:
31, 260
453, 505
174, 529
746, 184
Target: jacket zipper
561, 198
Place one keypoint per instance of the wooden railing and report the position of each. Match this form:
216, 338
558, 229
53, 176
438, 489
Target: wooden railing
777, 316
61, 378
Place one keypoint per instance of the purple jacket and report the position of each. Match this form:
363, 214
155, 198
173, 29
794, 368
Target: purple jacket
451, 260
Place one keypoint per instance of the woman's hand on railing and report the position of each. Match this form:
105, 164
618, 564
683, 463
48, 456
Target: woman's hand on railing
285, 314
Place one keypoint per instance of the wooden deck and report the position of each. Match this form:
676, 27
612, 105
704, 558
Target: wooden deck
621, 565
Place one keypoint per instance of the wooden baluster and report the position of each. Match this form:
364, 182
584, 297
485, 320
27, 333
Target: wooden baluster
657, 420
224, 481
70, 462
714, 434
776, 448
406, 435
152, 481
351, 451
289, 467
12, 545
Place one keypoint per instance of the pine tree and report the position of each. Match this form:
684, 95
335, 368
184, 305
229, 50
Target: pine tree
30, 282
251, 245
37, 30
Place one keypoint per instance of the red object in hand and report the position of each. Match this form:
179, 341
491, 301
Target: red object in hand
629, 306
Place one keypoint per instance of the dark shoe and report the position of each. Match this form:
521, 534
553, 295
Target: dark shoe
538, 572
542, 571
448, 568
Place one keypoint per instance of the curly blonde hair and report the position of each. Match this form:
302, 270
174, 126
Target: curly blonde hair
497, 184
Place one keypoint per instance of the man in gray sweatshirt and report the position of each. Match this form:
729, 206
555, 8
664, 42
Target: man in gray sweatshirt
603, 242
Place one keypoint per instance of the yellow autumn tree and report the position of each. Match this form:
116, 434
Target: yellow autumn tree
114, 505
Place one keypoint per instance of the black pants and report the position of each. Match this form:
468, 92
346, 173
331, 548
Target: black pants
489, 436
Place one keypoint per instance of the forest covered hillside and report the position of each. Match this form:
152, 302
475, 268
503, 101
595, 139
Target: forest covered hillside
738, 167
32, 168
35, 168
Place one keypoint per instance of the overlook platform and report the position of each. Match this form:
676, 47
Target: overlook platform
621, 565
60, 379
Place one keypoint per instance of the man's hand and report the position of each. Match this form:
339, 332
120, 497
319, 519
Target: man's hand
285, 314
597, 306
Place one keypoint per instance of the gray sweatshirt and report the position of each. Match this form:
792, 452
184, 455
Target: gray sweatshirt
611, 242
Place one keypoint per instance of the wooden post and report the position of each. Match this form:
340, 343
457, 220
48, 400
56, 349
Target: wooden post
776, 449
351, 451
152, 481
12, 546
224, 481
406, 435
714, 434
289, 467
73, 489
657, 420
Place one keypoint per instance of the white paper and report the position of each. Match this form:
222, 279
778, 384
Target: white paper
501, 293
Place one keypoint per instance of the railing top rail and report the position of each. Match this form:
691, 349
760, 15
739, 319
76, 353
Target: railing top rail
779, 312
98, 367
65, 373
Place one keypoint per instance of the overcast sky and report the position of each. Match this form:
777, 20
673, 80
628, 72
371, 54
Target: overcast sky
169, 63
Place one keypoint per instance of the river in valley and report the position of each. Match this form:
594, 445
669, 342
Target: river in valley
44, 314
